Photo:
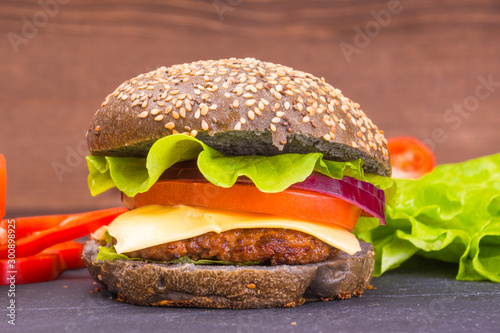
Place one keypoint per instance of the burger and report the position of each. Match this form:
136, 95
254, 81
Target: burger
244, 180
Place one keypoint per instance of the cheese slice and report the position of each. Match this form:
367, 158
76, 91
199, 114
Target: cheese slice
155, 224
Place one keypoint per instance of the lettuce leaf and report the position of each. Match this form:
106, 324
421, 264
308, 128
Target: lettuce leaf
451, 214
108, 252
269, 173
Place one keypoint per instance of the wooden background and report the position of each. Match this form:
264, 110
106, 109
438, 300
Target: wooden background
421, 62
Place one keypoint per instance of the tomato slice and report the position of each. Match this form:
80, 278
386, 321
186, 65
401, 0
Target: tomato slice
295, 203
410, 158
3, 185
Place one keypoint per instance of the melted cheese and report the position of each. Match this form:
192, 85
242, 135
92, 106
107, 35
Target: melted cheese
154, 225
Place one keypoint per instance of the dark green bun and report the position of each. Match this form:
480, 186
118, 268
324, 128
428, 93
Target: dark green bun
239, 107
237, 287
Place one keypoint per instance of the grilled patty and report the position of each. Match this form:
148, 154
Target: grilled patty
267, 245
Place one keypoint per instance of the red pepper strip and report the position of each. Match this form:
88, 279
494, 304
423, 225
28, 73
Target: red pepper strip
3, 185
27, 226
45, 266
58, 230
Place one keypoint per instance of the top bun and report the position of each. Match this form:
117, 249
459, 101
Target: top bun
239, 107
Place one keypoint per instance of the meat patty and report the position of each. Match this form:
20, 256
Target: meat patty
267, 245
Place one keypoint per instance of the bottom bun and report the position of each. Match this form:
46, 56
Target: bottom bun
237, 287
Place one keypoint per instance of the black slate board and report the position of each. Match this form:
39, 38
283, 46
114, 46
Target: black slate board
420, 296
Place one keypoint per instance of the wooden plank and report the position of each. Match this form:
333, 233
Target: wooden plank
428, 58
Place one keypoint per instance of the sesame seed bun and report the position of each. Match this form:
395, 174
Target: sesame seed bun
238, 287
239, 107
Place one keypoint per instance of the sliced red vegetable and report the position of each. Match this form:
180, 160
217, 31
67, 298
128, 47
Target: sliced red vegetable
410, 158
318, 198
34, 234
3, 185
45, 266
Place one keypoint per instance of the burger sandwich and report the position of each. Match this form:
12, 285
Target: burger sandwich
244, 180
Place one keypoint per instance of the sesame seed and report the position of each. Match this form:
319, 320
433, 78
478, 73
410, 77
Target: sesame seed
279, 87
261, 105
265, 101
188, 105
124, 97
213, 107
204, 110
251, 286
257, 111
196, 91
160, 103
143, 114
236, 103
178, 104
174, 92
276, 120
182, 96
168, 109
164, 95
144, 104
182, 112
341, 125
159, 118
251, 115
136, 102
154, 112
193, 133
359, 134
170, 125
97, 128
175, 115
305, 119
228, 95
237, 127
280, 114
204, 125
169, 98
250, 102
247, 95
287, 105
327, 137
